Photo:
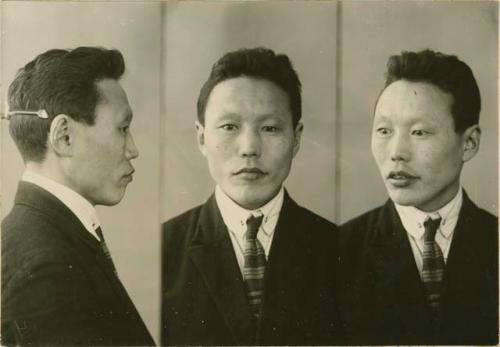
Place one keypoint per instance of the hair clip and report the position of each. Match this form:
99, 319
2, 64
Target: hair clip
40, 114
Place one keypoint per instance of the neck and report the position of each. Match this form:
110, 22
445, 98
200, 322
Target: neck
446, 197
50, 170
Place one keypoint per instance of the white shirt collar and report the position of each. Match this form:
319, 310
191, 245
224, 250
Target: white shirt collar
413, 219
82, 209
235, 216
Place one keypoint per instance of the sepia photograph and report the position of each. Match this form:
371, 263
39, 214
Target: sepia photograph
76, 61
249, 173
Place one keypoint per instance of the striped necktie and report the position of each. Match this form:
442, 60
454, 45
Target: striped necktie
255, 265
433, 266
105, 249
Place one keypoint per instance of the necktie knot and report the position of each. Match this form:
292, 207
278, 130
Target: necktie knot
253, 225
431, 226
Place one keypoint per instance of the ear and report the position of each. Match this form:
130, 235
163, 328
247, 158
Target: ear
61, 135
297, 136
200, 136
470, 142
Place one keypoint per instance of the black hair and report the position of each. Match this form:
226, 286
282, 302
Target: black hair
60, 82
259, 63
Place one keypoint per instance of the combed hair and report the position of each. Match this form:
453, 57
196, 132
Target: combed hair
446, 72
257, 62
60, 82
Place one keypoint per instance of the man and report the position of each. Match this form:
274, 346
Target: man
249, 266
70, 119
422, 269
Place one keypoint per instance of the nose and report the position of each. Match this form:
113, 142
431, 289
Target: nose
131, 151
249, 143
400, 148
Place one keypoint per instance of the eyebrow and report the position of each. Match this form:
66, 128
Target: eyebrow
231, 115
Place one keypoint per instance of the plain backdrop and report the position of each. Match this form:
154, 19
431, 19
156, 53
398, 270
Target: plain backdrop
132, 227
196, 35
374, 30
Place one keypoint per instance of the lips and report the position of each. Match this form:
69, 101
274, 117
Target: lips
129, 176
250, 173
401, 179
400, 175
250, 170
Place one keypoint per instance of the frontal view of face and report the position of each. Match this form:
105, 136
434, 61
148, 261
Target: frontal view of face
248, 139
414, 142
101, 168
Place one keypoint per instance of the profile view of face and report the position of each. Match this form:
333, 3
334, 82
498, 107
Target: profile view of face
248, 139
418, 152
101, 164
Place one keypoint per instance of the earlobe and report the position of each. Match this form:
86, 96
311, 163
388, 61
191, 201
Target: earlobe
297, 136
60, 135
471, 141
200, 136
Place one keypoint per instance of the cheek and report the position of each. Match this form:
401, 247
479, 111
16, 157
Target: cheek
217, 155
215, 143
437, 161
279, 147
378, 151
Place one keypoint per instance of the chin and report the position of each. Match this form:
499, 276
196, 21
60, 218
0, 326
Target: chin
404, 199
108, 202
255, 202
111, 200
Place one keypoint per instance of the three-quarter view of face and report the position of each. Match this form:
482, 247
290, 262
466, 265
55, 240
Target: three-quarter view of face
248, 139
101, 167
415, 145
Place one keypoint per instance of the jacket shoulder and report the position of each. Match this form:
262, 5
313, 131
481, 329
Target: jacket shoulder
27, 233
355, 233
314, 221
487, 220
364, 221
181, 228
484, 224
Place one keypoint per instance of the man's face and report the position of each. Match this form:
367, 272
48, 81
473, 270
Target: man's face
415, 145
100, 167
248, 139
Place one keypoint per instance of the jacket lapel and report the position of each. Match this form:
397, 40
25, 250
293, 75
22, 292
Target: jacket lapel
88, 246
287, 263
38, 198
212, 252
42, 200
468, 259
399, 292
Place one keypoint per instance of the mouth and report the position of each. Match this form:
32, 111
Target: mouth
129, 176
250, 173
401, 179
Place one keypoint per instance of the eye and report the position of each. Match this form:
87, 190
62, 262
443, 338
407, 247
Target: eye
383, 131
125, 129
420, 133
270, 128
228, 127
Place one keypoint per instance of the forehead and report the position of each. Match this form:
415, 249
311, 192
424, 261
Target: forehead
111, 91
405, 100
112, 99
247, 96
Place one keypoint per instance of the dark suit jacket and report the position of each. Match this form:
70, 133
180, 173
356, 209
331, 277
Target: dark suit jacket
383, 300
204, 296
58, 287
